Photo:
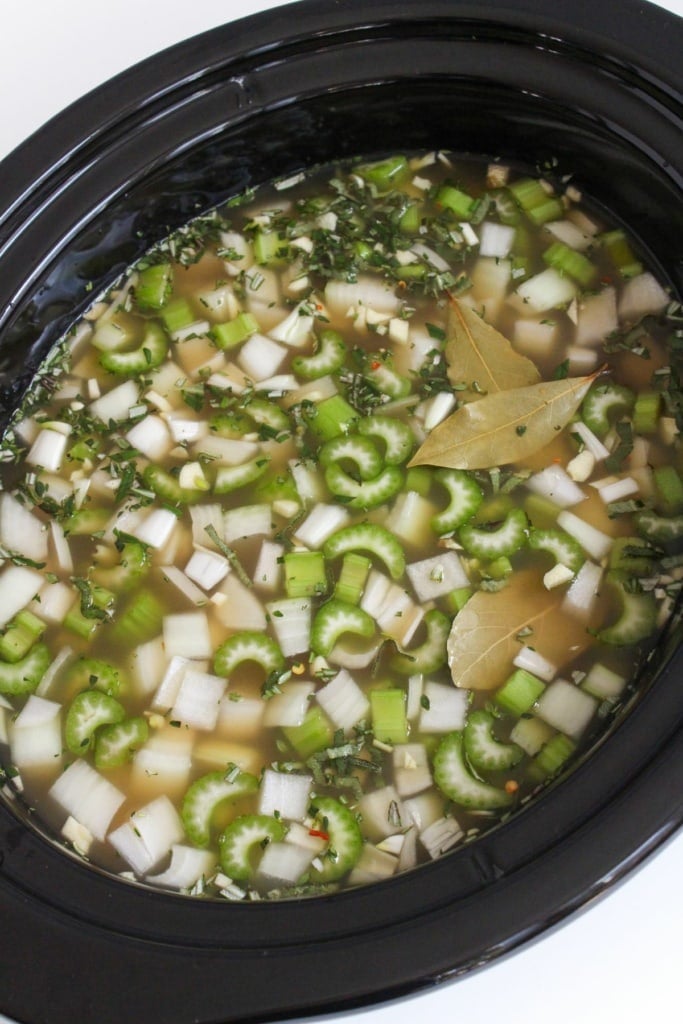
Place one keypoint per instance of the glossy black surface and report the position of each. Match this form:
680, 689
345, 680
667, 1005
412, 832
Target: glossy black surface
566, 88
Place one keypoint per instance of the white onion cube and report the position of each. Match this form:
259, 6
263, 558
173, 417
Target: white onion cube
434, 577
36, 734
87, 796
187, 634
149, 835
151, 437
343, 701
289, 707
286, 793
566, 707
445, 708
207, 568
198, 700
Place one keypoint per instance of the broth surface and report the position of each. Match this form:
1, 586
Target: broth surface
338, 528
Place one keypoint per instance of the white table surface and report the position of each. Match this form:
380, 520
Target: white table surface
615, 963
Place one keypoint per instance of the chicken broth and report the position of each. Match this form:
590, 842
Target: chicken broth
338, 528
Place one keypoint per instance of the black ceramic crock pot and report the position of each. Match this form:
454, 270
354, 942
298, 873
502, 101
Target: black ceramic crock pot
568, 88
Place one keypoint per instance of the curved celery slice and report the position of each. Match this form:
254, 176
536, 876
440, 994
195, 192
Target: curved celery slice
148, 356
563, 548
206, 794
87, 673
240, 840
431, 654
333, 620
605, 402
358, 450
134, 563
248, 646
115, 744
505, 540
483, 750
166, 486
328, 358
455, 780
87, 712
24, 676
368, 493
637, 614
345, 841
396, 435
372, 538
232, 478
465, 498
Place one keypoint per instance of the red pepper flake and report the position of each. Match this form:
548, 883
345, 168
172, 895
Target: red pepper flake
605, 280
511, 786
317, 834
376, 365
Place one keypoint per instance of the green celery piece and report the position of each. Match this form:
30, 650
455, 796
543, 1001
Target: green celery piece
457, 599
453, 777
88, 673
335, 618
329, 357
371, 538
87, 712
23, 676
315, 733
431, 654
140, 620
345, 840
20, 636
151, 353
269, 247
528, 192
248, 645
240, 841
388, 712
505, 540
178, 314
552, 756
551, 209
331, 418
305, 574
646, 412
458, 202
352, 577
619, 250
386, 174
519, 692
234, 332
90, 611
569, 261
154, 287
86, 522
204, 796
669, 488
115, 744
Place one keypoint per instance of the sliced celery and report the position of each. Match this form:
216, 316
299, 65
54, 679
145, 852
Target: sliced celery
388, 710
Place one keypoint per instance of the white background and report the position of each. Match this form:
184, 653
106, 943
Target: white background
620, 961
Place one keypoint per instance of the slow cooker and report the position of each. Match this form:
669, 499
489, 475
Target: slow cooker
596, 95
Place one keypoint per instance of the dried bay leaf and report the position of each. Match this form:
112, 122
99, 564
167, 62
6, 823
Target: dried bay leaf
478, 353
503, 427
484, 639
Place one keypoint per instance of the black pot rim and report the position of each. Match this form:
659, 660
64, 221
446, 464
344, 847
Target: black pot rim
592, 833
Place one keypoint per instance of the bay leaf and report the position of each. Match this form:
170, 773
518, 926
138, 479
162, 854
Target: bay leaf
483, 641
477, 353
503, 427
